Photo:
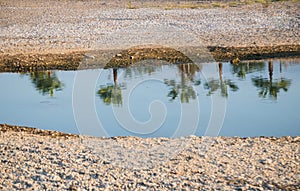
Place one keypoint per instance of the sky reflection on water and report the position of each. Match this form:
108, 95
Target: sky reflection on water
262, 97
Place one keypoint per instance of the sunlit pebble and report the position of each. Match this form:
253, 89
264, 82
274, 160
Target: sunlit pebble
211, 25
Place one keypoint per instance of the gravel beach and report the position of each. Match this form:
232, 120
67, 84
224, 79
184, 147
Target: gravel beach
56, 34
43, 160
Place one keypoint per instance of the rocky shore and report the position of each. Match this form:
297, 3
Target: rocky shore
33, 159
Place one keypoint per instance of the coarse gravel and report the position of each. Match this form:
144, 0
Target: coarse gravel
64, 26
31, 161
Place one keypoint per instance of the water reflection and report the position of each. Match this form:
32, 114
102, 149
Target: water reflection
271, 87
241, 69
213, 84
46, 82
185, 87
131, 72
146, 60
176, 83
111, 94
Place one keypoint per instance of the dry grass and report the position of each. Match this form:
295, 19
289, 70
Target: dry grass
130, 6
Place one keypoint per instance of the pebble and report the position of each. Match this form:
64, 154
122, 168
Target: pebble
230, 164
62, 26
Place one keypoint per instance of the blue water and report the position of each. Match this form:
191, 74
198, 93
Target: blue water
251, 99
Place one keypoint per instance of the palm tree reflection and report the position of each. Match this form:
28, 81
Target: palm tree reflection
46, 82
131, 72
111, 94
213, 85
269, 86
242, 69
185, 87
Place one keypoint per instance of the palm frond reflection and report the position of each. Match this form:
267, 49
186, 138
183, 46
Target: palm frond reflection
111, 93
269, 87
215, 84
184, 89
46, 82
244, 68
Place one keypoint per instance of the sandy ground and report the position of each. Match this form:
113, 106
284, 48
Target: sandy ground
43, 160
56, 34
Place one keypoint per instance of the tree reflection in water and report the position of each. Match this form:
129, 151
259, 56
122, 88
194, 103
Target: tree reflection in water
132, 72
46, 82
111, 94
213, 85
269, 86
185, 87
242, 69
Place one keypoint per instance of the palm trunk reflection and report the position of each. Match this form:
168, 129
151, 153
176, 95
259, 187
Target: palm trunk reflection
111, 94
46, 82
185, 87
213, 85
270, 87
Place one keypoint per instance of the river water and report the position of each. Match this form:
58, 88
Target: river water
249, 99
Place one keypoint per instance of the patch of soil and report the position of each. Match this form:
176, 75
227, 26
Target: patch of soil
30, 130
72, 60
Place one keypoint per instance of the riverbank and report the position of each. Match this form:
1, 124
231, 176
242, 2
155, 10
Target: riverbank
74, 60
45, 160
59, 34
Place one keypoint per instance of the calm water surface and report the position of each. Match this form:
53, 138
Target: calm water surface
262, 99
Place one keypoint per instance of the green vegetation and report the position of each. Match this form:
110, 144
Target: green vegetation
213, 85
130, 6
46, 82
270, 88
185, 87
111, 94
184, 90
242, 69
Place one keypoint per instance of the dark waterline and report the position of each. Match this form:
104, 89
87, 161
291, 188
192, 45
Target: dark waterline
261, 99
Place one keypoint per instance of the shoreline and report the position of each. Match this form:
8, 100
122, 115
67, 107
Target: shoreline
31, 159
57, 134
73, 60
33, 130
